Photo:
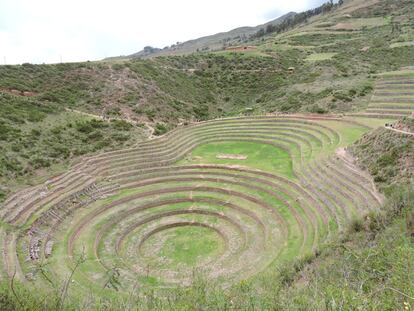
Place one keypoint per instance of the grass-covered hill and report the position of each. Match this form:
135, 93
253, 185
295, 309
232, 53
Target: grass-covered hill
334, 54
388, 155
38, 138
270, 203
214, 42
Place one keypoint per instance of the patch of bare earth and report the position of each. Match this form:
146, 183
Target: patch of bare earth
344, 26
231, 156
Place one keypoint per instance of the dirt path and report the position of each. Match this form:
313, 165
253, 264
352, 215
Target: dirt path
399, 131
151, 131
85, 113
101, 117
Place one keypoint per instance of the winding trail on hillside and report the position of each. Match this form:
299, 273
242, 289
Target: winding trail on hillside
399, 131
95, 116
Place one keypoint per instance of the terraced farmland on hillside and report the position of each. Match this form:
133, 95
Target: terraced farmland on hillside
156, 213
393, 97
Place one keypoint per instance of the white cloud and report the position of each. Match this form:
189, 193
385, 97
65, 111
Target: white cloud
78, 30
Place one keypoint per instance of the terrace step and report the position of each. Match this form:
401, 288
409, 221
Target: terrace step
393, 94
378, 115
389, 111
402, 82
391, 106
393, 100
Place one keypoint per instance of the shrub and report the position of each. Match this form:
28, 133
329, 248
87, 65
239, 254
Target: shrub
160, 129
119, 137
102, 144
8, 132
60, 151
95, 135
98, 123
2, 195
35, 132
121, 125
39, 162
341, 96
118, 66
410, 224
201, 111
365, 90
317, 109
84, 127
115, 111
356, 225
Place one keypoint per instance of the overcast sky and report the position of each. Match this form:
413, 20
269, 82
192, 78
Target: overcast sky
48, 31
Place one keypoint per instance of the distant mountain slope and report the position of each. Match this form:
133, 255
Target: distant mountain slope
208, 43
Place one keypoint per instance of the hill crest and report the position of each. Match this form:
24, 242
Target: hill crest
213, 42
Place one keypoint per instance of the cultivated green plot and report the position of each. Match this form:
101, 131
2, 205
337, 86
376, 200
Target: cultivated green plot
347, 133
254, 155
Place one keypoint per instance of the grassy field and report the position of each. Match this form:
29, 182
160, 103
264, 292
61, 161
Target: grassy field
259, 156
187, 245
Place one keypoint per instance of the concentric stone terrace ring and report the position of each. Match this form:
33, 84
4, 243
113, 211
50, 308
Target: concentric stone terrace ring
174, 207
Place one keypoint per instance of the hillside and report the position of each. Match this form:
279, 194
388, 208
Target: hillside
337, 57
276, 177
388, 154
374, 251
215, 42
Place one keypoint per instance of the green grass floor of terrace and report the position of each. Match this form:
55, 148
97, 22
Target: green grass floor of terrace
254, 155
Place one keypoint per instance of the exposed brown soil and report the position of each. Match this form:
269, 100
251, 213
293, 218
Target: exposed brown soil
19, 93
231, 156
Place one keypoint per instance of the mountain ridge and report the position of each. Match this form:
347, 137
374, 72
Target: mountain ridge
206, 43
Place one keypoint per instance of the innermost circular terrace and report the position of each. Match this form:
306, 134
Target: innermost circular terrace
184, 245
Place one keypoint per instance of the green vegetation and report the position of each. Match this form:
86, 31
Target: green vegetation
264, 157
41, 136
160, 129
241, 212
388, 156
298, 18
369, 268
224, 199
202, 86
188, 245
